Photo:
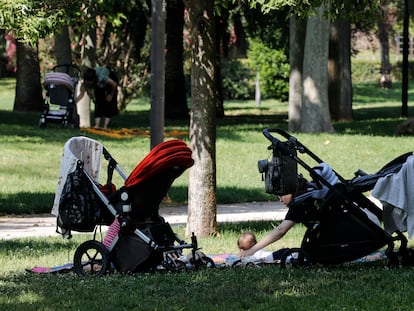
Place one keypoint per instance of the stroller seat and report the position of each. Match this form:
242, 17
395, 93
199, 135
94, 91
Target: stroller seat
149, 182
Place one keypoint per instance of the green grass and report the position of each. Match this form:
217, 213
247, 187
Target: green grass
30, 158
29, 168
369, 286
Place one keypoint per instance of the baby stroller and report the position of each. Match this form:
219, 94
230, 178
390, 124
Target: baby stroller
343, 225
60, 100
142, 241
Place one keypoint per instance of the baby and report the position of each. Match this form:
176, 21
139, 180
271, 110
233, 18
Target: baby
247, 239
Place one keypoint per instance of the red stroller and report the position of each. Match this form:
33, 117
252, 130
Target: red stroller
143, 241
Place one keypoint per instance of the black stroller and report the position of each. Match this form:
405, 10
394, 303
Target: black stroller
138, 238
342, 226
60, 100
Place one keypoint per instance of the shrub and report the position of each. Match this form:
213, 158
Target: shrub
273, 68
238, 80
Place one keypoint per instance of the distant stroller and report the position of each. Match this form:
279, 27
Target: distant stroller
344, 225
60, 100
144, 241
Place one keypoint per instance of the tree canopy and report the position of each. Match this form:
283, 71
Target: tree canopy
30, 20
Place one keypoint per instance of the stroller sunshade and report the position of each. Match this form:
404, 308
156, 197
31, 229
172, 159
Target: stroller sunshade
59, 78
165, 155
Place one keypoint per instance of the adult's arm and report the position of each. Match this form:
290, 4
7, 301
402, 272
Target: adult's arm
273, 236
113, 85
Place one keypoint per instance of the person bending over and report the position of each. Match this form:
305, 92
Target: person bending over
105, 94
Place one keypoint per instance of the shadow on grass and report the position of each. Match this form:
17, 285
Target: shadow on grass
41, 203
26, 203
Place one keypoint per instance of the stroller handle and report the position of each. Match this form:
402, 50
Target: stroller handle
276, 142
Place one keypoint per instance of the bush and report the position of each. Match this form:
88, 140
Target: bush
238, 80
370, 71
273, 67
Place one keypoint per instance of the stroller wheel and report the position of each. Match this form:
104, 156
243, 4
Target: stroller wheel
42, 123
204, 262
174, 266
91, 259
295, 258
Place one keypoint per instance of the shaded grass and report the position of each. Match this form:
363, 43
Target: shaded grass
31, 156
28, 171
369, 286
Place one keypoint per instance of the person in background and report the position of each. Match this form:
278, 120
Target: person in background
105, 94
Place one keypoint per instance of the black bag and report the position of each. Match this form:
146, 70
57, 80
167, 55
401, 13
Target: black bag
79, 209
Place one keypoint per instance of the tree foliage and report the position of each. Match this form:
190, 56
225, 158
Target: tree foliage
30, 20
352, 10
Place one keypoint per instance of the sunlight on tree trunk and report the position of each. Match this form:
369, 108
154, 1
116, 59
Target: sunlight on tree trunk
296, 52
315, 115
202, 186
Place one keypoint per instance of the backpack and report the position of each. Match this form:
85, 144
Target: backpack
79, 208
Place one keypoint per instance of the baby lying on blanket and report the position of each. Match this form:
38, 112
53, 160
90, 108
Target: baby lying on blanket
245, 241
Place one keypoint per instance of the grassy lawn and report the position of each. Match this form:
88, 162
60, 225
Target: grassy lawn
31, 156
29, 168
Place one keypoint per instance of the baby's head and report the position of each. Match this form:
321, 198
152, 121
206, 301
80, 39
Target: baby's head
246, 240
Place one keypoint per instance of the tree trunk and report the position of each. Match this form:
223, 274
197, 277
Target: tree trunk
175, 93
28, 86
88, 54
339, 68
384, 28
202, 186
315, 106
63, 51
405, 64
88, 57
296, 52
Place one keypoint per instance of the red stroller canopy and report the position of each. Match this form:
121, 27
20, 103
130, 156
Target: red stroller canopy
165, 155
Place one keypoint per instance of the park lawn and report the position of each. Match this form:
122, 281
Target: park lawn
29, 168
30, 157
350, 286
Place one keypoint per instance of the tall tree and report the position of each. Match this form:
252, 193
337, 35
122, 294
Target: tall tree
29, 21
297, 34
404, 91
202, 186
28, 88
63, 51
175, 92
339, 70
315, 115
384, 28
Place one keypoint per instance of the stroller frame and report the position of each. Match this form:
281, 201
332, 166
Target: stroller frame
341, 230
59, 104
141, 245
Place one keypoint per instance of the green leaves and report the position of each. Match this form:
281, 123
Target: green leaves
30, 20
